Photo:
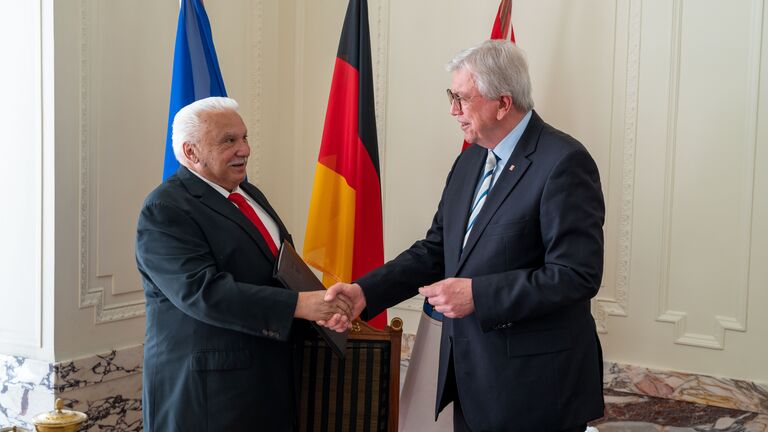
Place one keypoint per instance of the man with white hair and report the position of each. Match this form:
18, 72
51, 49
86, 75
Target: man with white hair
220, 332
512, 259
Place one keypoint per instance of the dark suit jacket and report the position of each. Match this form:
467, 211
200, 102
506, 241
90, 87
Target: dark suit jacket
217, 353
528, 358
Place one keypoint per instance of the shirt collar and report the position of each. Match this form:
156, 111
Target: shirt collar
218, 188
507, 145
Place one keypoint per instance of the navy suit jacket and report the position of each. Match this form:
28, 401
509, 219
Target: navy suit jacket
218, 351
528, 358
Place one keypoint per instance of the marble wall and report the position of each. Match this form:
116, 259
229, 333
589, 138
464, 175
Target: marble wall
686, 387
107, 387
642, 399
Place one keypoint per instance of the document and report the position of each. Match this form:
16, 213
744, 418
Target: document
294, 273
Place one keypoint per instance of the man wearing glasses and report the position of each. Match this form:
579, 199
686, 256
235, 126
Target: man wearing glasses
512, 259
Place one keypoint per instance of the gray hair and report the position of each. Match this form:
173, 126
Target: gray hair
500, 69
187, 123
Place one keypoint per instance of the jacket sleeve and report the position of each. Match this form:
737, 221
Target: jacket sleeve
571, 226
176, 262
421, 264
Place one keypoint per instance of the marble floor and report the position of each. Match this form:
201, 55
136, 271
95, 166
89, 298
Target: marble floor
632, 404
628, 412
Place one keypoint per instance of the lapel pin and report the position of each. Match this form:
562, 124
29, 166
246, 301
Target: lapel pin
512, 167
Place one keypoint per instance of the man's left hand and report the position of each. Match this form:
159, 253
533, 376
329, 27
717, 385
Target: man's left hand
451, 297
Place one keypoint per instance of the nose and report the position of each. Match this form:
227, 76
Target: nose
455, 108
243, 149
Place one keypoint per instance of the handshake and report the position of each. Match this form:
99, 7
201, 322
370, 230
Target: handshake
337, 306
334, 308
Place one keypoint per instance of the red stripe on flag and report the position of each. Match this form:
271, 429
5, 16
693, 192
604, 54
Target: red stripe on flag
341, 149
343, 152
369, 239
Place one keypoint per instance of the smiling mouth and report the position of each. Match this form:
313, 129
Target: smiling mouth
238, 163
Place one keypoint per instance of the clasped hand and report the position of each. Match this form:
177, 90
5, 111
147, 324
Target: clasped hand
351, 292
313, 306
451, 297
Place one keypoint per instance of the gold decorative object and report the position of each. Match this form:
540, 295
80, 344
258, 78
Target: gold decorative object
396, 324
13, 429
356, 326
59, 420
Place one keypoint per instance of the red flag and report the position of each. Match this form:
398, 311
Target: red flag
503, 22
501, 26
344, 236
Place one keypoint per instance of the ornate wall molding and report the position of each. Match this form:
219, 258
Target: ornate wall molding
380, 67
92, 296
617, 306
255, 87
682, 335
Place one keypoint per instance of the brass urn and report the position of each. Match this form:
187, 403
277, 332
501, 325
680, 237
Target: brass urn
13, 429
59, 420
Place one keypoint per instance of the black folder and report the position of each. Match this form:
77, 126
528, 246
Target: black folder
294, 273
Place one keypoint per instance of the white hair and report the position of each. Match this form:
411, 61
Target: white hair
187, 123
500, 69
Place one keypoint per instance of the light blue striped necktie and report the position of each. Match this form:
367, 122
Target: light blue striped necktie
482, 192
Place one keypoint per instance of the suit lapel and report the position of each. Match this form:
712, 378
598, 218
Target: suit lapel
261, 200
218, 203
510, 175
458, 210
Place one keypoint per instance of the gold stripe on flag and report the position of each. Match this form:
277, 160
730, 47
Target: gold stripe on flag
329, 242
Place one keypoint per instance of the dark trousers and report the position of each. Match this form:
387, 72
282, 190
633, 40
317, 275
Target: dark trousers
459, 422
451, 392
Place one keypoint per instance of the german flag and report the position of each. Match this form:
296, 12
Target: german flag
344, 236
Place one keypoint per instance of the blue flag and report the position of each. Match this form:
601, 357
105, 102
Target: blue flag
196, 73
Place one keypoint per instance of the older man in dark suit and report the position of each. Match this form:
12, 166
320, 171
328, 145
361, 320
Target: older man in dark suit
219, 349
513, 257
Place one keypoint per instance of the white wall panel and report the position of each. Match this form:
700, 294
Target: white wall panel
696, 229
710, 171
113, 149
21, 120
118, 56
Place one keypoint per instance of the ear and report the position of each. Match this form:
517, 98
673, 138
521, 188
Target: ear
190, 152
505, 105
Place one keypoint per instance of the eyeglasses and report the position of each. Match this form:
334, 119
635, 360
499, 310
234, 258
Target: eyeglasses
459, 100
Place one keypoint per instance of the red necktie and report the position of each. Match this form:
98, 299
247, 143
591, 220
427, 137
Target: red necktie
248, 211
